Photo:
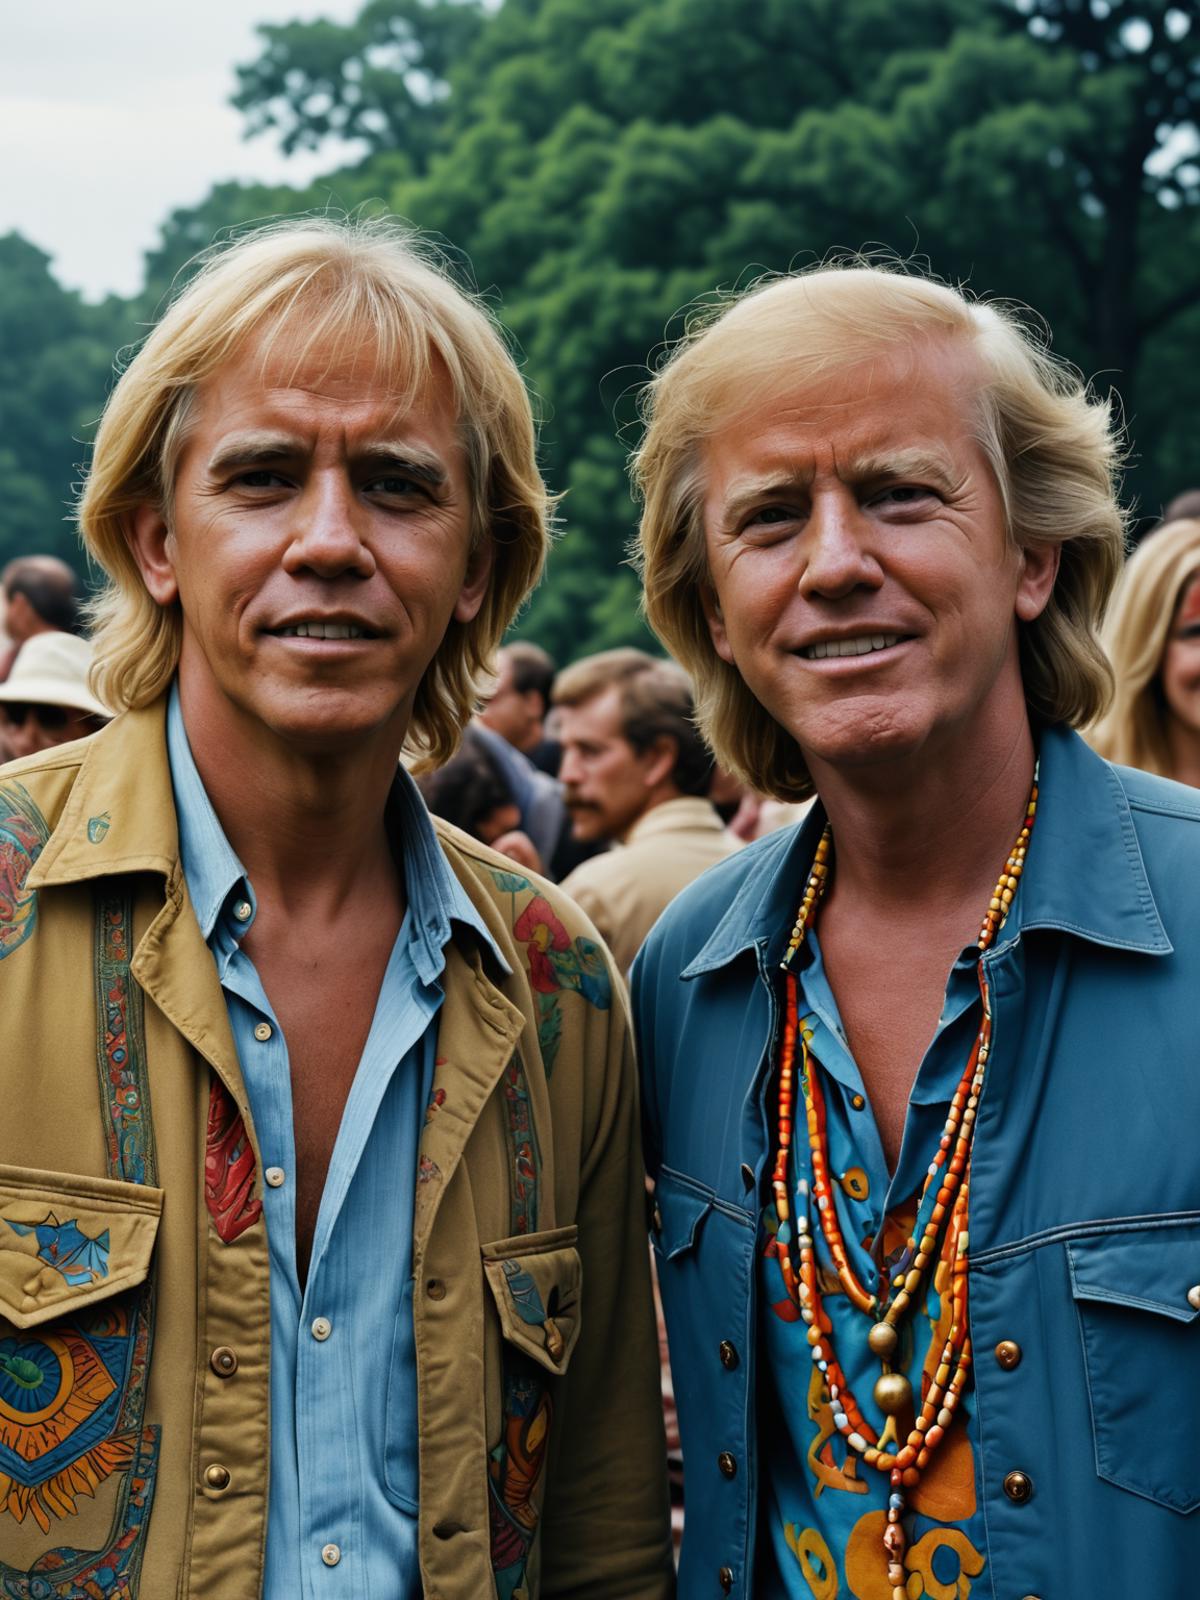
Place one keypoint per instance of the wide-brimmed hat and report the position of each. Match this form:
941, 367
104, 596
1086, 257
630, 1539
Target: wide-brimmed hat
51, 669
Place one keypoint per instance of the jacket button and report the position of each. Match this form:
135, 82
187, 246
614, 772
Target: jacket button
725, 1579
727, 1463
223, 1361
656, 1219
729, 1355
1018, 1486
435, 1289
1193, 1297
216, 1476
1008, 1354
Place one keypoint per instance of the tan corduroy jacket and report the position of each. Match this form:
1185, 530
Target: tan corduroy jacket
134, 1326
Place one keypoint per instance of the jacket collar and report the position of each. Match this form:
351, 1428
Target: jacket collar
688, 813
1084, 874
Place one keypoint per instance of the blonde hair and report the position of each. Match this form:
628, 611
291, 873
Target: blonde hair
334, 283
1053, 448
1134, 730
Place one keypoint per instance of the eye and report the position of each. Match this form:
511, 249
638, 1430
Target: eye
903, 495
770, 522
260, 478
396, 486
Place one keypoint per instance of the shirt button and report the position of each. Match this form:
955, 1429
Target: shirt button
1018, 1486
727, 1464
262, 1031
857, 1101
223, 1361
1193, 1298
321, 1329
274, 1176
243, 910
216, 1477
331, 1555
728, 1354
1008, 1354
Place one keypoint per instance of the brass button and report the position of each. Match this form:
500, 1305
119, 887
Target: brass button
435, 1289
1193, 1297
729, 1355
727, 1463
223, 1361
1008, 1354
216, 1476
1018, 1486
725, 1579
857, 1101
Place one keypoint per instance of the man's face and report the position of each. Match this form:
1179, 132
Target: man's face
514, 715
1181, 663
319, 551
607, 781
26, 728
862, 582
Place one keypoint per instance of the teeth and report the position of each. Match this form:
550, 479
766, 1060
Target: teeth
861, 646
322, 630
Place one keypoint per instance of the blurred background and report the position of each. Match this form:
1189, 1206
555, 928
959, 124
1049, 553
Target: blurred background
595, 167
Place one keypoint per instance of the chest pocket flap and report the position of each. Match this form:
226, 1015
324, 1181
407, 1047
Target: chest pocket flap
68, 1241
678, 1209
536, 1281
1147, 1269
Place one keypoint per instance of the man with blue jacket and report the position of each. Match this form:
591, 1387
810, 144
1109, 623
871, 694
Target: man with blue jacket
920, 1076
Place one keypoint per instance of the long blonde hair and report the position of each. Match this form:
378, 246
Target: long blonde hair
1052, 447
332, 283
1134, 730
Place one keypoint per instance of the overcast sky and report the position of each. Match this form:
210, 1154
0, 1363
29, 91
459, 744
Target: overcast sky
114, 112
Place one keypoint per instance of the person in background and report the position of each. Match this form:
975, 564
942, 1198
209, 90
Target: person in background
1152, 635
41, 595
46, 700
636, 773
918, 1074
470, 792
517, 706
1186, 504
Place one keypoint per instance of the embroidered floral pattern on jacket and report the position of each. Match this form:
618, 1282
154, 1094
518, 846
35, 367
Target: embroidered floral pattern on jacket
121, 1049
23, 833
228, 1167
556, 961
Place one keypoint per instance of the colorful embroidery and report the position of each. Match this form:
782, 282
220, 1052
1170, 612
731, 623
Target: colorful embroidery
23, 834
228, 1167
556, 962
522, 1149
65, 1247
436, 1101
121, 1047
514, 1471
97, 828
527, 1302
112, 1573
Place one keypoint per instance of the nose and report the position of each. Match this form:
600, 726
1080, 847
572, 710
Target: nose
570, 769
836, 545
329, 531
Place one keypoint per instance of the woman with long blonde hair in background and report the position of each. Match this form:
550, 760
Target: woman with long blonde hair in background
1153, 638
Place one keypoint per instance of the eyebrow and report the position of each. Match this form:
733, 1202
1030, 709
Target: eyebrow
921, 461
262, 449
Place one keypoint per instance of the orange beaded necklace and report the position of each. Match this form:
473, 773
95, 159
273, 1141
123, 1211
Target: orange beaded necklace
939, 1234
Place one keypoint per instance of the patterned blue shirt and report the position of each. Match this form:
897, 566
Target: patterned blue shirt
822, 1511
342, 1517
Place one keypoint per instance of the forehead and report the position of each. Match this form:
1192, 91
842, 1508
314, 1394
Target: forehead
1188, 609
917, 401
597, 717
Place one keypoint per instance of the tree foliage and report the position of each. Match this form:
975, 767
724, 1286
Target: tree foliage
604, 164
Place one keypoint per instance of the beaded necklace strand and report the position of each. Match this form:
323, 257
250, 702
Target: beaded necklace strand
941, 1227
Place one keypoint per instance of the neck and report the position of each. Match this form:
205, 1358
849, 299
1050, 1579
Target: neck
1183, 747
657, 797
308, 827
922, 842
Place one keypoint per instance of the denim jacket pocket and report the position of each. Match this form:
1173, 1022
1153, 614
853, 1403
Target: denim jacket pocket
680, 1207
1137, 1296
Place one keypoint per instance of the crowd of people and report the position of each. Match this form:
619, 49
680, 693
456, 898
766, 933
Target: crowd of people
369, 983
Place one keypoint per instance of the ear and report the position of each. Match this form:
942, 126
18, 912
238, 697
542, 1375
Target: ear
478, 576
150, 544
1039, 569
659, 760
716, 623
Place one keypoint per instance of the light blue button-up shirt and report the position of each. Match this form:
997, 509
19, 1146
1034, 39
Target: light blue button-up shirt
342, 1517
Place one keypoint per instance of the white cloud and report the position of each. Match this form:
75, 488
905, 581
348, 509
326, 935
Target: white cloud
113, 114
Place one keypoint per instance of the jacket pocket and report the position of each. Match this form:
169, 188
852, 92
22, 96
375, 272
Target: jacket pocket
1141, 1349
68, 1241
400, 1465
536, 1280
677, 1212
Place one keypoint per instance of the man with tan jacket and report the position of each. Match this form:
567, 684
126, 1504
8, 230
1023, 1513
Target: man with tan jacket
322, 1269
636, 772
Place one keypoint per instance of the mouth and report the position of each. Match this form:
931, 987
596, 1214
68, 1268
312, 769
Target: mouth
323, 630
862, 644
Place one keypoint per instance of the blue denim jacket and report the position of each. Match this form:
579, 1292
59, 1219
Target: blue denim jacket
1085, 1190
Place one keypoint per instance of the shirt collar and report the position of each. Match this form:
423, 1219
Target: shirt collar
1084, 872
688, 811
436, 899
